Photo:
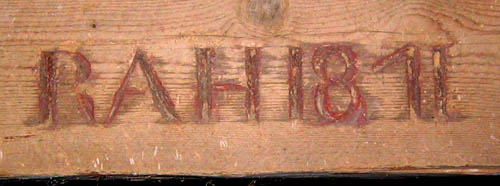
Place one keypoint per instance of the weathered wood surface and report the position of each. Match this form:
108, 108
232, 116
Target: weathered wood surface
138, 140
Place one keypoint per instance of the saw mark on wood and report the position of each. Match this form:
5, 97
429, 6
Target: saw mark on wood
18, 137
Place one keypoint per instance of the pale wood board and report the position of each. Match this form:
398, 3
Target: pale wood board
109, 32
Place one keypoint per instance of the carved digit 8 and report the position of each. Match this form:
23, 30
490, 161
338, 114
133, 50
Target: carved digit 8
356, 111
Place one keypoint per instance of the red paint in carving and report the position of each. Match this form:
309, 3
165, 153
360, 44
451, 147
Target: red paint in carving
204, 102
295, 84
413, 71
48, 85
161, 98
228, 87
252, 68
83, 69
206, 90
440, 88
220, 87
120, 94
47, 72
356, 111
86, 107
53, 92
131, 91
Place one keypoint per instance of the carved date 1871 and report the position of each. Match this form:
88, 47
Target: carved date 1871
207, 88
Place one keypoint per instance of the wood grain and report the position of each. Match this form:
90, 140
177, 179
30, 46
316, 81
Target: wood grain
108, 33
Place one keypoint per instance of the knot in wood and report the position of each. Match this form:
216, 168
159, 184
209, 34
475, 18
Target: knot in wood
266, 12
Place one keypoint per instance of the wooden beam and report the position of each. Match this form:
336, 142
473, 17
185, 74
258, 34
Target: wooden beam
232, 87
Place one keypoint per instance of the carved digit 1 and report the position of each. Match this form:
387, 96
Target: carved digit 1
48, 86
295, 86
205, 58
439, 58
356, 111
410, 55
252, 68
161, 98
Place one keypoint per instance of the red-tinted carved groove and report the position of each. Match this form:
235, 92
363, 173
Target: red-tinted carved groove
83, 69
440, 60
205, 58
86, 107
48, 86
47, 73
295, 86
356, 111
221, 87
252, 69
53, 79
409, 55
228, 87
161, 98
120, 94
206, 89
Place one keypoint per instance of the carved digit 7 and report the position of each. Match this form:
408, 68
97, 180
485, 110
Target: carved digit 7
410, 55
356, 111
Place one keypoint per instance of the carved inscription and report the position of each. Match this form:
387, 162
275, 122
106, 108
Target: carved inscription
161, 98
356, 110
410, 56
252, 69
440, 60
48, 86
205, 58
207, 88
295, 84
47, 69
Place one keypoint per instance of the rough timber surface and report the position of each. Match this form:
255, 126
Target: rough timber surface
139, 141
